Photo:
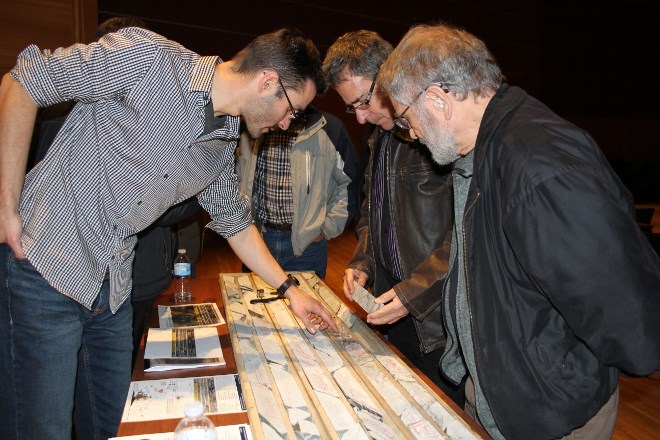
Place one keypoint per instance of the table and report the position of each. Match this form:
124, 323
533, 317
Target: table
204, 290
208, 290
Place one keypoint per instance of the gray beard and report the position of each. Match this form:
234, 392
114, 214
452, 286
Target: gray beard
441, 143
442, 146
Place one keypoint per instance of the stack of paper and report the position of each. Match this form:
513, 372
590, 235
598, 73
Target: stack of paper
175, 348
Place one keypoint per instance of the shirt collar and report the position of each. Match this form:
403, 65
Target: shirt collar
464, 165
202, 76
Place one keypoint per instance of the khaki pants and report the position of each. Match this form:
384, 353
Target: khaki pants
599, 427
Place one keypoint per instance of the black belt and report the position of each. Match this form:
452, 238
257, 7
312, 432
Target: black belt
278, 227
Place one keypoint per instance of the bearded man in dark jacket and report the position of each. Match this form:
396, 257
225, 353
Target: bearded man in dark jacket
552, 289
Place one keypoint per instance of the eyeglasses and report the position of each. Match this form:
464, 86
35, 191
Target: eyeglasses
404, 123
364, 104
293, 113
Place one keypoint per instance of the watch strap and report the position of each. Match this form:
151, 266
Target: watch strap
290, 281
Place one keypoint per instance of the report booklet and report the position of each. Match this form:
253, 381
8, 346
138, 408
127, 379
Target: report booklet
165, 398
185, 347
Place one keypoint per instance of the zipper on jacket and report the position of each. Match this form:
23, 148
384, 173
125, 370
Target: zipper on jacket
307, 169
469, 301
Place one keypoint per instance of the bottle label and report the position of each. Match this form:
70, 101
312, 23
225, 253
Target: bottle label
181, 269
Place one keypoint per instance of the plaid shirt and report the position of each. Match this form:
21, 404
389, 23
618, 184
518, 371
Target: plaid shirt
130, 149
272, 195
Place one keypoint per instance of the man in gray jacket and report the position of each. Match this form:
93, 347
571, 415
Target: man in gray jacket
398, 254
301, 184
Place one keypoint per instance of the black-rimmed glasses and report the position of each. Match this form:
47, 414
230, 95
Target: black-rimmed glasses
351, 108
294, 114
404, 123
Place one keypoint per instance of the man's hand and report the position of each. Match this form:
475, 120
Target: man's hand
389, 313
11, 228
351, 275
310, 311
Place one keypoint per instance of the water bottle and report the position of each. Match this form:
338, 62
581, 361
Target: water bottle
182, 278
195, 425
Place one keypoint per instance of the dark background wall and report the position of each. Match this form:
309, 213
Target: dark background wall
594, 62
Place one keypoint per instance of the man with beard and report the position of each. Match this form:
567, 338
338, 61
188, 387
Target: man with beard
402, 259
552, 289
154, 124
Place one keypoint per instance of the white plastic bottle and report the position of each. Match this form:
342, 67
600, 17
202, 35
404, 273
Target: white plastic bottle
195, 425
182, 277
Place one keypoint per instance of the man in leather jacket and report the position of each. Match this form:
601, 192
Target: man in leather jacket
398, 255
552, 289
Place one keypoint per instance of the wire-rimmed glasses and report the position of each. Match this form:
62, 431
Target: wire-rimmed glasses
293, 113
401, 121
352, 108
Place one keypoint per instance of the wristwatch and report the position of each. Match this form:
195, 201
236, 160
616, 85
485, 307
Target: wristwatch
290, 281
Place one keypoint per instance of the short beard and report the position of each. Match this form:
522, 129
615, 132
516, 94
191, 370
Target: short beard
257, 113
255, 132
441, 143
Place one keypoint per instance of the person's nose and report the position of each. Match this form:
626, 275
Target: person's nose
412, 133
361, 116
284, 123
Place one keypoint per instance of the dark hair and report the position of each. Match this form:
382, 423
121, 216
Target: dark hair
289, 53
358, 53
115, 23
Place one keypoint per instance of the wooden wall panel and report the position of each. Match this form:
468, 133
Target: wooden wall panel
47, 23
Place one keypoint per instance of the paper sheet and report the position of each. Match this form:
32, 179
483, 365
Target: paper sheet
189, 315
165, 399
230, 432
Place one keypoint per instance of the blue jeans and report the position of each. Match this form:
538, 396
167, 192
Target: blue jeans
59, 361
314, 258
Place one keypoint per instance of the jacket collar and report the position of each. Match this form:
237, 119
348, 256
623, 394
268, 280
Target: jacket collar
314, 122
505, 101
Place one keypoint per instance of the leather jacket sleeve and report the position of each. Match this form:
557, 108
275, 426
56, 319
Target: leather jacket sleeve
421, 293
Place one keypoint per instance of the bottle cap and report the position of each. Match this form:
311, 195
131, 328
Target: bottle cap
193, 409
182, 251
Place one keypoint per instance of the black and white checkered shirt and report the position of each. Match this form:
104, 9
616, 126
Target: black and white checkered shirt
129, 150
272, 194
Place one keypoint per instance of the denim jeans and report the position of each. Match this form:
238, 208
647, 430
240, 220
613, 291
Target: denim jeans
60, 362
314, 258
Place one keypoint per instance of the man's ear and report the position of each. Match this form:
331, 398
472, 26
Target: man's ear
440, 100
268, 81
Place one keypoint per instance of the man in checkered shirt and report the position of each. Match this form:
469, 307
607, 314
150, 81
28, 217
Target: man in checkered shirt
154, 125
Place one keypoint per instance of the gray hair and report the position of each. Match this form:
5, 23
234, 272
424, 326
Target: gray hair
358, 53
439, 53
